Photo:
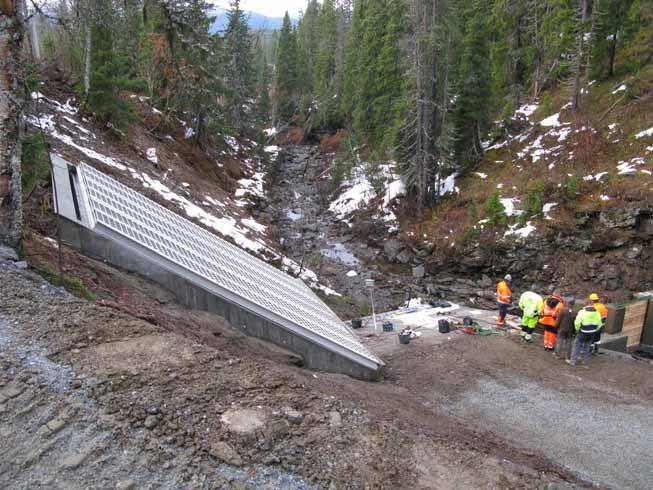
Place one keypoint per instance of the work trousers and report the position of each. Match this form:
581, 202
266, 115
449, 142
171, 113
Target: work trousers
563, 346
550, 336
503, 310
581, 347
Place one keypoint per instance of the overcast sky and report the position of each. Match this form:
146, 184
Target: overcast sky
271, 8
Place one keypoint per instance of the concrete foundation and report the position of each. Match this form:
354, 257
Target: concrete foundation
617, 343
122, 254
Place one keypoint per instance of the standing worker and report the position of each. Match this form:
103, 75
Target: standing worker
565, 338
603, 311
531, 305
504, 299
588, 322
551, 309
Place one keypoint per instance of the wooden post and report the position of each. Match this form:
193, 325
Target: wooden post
11, 39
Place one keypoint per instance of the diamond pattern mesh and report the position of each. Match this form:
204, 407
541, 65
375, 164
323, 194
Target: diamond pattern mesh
167, 234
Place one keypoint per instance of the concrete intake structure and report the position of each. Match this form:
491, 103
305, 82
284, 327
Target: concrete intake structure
109, 221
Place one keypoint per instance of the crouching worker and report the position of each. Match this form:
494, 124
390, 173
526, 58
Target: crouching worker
551, 309
588, 322
530, 304
565, 337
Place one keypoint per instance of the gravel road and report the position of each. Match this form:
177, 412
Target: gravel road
602, 441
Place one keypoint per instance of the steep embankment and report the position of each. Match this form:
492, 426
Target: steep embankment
576, 189
572, 203
216, 185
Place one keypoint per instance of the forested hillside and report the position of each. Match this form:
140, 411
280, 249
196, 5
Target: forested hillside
477, 133
427, 83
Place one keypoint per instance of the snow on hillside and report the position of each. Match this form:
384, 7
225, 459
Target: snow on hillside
78, 143
359, 192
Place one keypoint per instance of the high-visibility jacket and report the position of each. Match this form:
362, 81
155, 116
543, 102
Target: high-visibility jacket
531, 304
588, 320
504, 294
602, 309
549, 314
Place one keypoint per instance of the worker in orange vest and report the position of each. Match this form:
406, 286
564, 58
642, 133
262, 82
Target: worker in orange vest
603, 311
504, 298
551, 309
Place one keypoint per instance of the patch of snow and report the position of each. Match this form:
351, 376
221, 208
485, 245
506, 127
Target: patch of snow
394, 189
252, 186
66, 108
596, 177
185, 184
233, 143
67, 140
270, 132
604, 197
645, 133
273, 150
352, 274
509, 205
448, 185
563, 134
612, 126
527, 110
620, 88
151, 156
523, 232
481, 175
551, 121
628, 168
294, 215
254, 225
547, 208
190, 132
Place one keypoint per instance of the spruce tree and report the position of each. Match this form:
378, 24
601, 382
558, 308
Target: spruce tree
238, 68
286, 82
474, 89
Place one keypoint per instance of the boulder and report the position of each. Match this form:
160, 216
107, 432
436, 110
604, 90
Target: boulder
8, 253
392, 248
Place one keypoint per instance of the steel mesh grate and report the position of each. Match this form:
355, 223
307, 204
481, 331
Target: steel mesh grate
167, 234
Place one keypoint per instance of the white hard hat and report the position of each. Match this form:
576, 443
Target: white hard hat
508, 278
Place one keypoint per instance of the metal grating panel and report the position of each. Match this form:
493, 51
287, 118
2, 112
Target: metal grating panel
189, 246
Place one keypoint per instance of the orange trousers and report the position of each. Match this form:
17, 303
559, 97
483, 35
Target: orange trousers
550, 339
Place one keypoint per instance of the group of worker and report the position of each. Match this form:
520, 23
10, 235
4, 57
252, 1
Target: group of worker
555, 315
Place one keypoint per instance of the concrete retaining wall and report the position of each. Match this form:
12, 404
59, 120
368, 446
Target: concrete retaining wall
197, 297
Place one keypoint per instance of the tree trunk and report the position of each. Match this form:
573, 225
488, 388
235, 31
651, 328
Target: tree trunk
87, 58
11, 38
590, 41
579, 55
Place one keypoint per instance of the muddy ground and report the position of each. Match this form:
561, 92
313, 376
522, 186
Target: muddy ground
152, 395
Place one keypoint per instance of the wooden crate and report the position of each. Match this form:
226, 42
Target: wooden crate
634, 319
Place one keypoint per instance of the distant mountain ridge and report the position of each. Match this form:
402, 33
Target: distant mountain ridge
255, 20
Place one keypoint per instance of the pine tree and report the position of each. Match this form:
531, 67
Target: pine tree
286, 82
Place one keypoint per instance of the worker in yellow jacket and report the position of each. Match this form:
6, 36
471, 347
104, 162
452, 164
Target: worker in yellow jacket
603, 311
530, 304
588, 322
